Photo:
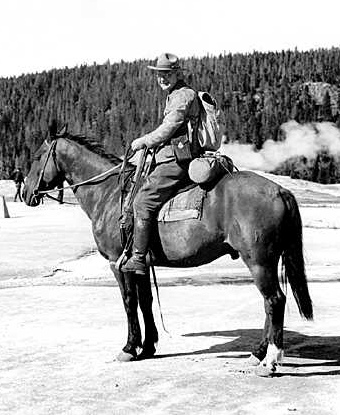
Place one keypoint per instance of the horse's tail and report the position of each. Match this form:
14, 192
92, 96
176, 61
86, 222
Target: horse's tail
293, 263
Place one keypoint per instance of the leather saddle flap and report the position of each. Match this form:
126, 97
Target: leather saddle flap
185, 205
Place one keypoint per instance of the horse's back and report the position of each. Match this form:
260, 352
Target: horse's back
253, 197
244, 193
240, 206
250, 184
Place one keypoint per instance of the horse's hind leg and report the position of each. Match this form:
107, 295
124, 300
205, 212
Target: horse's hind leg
270, 350
145, 304
259, 351
128, 291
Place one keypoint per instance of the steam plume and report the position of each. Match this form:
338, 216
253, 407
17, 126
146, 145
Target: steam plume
300, 140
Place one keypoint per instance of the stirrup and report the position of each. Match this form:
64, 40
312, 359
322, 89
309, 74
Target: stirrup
138, 271
136, 266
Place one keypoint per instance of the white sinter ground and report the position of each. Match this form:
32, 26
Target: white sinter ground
62, 322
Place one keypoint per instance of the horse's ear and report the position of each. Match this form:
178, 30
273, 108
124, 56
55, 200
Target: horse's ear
52, 131
48, 138
63, 131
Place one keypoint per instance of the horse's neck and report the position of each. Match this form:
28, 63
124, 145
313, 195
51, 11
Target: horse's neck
79, 165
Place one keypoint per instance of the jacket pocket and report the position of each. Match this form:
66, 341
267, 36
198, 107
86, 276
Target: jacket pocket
181, 148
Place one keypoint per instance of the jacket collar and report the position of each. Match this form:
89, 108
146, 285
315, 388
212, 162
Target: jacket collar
179, 84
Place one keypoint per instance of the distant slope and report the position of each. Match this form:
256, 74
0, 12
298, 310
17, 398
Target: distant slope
306, 192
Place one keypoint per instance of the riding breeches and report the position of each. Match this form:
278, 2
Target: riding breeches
161, 185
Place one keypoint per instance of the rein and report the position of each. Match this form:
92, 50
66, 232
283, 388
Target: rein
51, 150
87, 181
136, 181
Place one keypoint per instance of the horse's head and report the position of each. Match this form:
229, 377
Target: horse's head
44, 173
81, 159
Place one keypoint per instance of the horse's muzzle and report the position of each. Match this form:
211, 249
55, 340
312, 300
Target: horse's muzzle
32, 199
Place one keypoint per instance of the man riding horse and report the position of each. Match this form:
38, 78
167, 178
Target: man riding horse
174, 147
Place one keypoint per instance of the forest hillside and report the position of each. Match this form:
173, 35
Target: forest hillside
259, 95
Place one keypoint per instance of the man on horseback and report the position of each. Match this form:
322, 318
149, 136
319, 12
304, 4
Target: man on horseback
175, 144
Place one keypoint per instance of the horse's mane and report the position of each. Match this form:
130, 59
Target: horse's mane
94, 146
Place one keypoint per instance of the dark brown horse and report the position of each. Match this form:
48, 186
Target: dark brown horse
254, 215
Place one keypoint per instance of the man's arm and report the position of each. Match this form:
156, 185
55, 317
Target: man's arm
177, 112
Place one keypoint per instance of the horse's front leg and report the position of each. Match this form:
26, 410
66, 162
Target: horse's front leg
128, 291
145, 303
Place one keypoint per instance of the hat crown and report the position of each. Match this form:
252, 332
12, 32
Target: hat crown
166, 62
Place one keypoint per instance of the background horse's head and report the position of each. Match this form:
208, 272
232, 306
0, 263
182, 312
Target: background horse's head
44, 173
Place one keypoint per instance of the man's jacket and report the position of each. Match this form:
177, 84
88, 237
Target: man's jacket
182, 106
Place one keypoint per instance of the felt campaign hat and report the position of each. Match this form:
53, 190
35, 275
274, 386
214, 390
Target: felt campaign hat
166, 62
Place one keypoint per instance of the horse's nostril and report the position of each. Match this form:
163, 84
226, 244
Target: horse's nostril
35, 201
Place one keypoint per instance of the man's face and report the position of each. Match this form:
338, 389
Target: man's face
166, 79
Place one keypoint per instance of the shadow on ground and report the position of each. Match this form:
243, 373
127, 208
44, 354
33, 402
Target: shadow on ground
321, 352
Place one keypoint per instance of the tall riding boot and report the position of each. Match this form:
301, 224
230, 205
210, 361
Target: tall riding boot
141, 237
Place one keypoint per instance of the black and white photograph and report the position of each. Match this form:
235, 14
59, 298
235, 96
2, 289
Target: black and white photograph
169, 207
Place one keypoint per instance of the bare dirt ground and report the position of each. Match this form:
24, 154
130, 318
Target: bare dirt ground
58, 345
62, 323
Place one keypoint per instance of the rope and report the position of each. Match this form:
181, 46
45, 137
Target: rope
157, 292
140, 174
136, 182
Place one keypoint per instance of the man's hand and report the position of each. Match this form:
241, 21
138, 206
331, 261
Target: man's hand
137, 144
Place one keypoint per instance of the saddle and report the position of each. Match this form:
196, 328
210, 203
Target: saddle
189, 201
187, 204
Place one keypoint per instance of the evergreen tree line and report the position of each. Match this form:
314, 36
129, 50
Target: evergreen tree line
118, 102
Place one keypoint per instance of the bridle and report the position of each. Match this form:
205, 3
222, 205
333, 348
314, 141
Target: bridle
52, 151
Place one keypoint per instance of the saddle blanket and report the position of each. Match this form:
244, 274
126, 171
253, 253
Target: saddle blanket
185, 205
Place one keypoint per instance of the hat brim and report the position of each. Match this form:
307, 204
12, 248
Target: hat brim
157, 68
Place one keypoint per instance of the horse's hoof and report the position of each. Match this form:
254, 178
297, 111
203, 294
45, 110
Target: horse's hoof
146, 354
265, 371
253, 361
125, 357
